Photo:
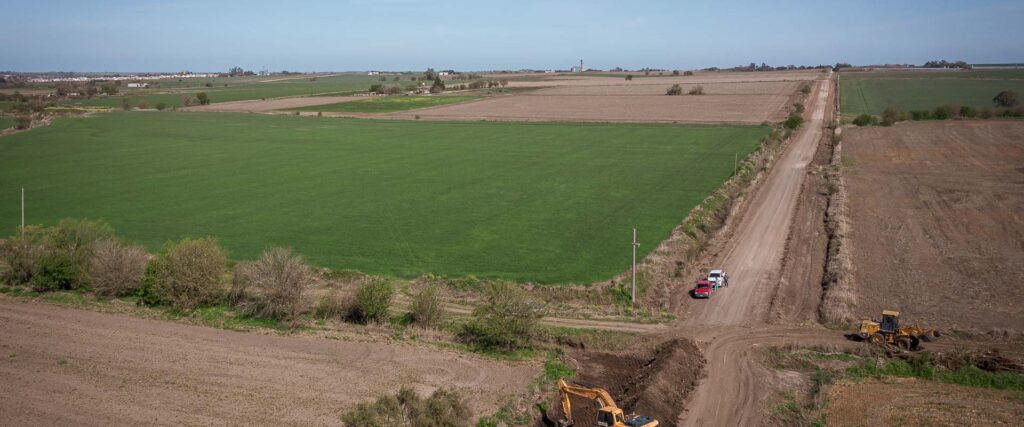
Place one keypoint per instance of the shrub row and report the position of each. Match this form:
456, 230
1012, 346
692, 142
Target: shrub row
943, 112
193, 273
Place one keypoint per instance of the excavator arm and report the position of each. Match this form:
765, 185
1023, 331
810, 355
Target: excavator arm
592, 393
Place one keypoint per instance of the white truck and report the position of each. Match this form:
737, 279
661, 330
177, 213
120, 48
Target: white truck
719, 278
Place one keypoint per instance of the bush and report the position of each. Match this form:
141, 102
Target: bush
969, 112
74, 239
160, 106
272, 286
23, 122
793, 121
674, 90
203, 98
333, 305
862, 120
798, 107
1006, 98
116, 268
629, 77
943, 112
890, 116
372, 302
187, 274
19, 255
921, 115
697, 90
443, 408
805, 88
687, 73
53, 272
675, 72
427, 309
985, 113
505, 320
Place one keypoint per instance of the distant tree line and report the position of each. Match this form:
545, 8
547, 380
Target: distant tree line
946, 64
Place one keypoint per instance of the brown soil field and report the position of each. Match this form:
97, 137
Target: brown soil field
914, 402
749, 109
269, 105
731, 98
937, 230
641, 87
62, 366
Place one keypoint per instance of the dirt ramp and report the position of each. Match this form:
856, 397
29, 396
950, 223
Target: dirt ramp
653, 380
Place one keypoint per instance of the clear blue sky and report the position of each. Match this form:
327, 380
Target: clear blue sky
140, 35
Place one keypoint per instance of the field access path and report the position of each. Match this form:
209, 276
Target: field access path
730, 326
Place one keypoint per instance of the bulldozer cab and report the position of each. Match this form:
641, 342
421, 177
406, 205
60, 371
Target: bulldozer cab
890, 321
610, 417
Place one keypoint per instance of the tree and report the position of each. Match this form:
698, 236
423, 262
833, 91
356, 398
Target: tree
236, 71
203, 98
675, 72
862, 120
688, 73
429, 74
629, 77
674, 90
438, 84
1006, 98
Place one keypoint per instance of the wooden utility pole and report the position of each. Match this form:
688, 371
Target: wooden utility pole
635, 245
22, 212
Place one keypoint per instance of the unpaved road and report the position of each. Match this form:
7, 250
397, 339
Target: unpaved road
724, 326
65, 366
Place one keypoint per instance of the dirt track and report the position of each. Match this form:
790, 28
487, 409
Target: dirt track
722, 325
65, 366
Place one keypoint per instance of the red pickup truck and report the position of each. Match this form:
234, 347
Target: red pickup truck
704, 289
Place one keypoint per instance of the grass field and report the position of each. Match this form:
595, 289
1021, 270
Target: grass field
6, 122
552, 203
387, 104
223, 89
873, 92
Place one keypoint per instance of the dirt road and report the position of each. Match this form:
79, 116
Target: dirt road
65, 366
724, 326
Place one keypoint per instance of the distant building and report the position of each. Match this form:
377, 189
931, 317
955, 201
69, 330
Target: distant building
578, 69
138, 85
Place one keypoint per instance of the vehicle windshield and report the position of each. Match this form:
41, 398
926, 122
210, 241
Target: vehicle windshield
703, 286
713, 275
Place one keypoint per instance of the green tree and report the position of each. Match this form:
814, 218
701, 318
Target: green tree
203, 98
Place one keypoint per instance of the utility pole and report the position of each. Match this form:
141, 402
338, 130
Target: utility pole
735, 162
635, 245
22, 212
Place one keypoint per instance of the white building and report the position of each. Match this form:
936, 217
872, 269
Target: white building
138, 85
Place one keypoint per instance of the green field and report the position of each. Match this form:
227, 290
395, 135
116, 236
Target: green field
387, 104
223, 89
553, 203
873, 92
6, 122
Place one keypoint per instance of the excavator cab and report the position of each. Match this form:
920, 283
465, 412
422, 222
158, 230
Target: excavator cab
610, 417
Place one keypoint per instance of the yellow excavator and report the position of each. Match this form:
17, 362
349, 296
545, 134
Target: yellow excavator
608, 415
889, 332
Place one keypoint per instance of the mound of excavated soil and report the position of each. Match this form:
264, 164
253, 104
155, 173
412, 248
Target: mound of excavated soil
652, 380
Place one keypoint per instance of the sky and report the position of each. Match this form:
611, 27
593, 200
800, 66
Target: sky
137, 36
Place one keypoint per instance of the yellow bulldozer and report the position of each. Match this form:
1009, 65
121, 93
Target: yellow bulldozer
608, 414
889, 332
